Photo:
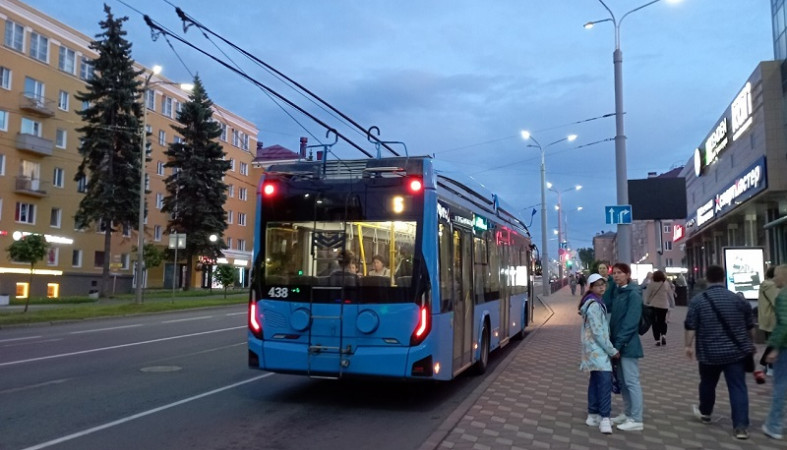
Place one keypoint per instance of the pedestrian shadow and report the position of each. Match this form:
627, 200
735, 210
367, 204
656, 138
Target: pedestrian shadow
541, 311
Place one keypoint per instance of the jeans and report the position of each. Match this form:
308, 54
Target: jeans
775, 420
659, 323
628, 374
735, 376
600, 393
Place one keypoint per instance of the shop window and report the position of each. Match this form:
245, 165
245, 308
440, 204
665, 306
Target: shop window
52, 290
22, 290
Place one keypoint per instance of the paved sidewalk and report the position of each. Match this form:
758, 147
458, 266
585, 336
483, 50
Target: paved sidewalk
538, 399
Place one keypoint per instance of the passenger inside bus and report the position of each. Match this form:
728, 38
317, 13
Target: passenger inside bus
378, 267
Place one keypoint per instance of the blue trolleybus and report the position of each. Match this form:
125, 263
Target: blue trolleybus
387, 267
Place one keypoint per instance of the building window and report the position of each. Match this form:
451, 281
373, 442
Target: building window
232, 165
55, 218
52, 290
85, 105
34, 90
667, 229
25, 213
230, 217
223, 136
14, 35
126, 230
177, 140
62, 101
30, 126
57, 177
669, 262
5, 78
3, 120
244, 168
229, 242
85, 68
242, 219
242, 194
162, 137
60, 138
22, 290
76, 258
157, 233
159, 200
39, 47
667, 245
67, 62
178, 107
235, 138
2, 164
150, 99
147, 188
98, 258
166, 106
52, 257
241, 245
160, 168
82, 184
231, 190
125, 261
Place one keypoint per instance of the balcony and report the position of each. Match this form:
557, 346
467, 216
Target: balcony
36, 104
29, 186
34, 144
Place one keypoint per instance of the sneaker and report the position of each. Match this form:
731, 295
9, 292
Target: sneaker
631, 425
606, 426
620, 419
593, 420
771, 434
741, 433
759, 376
658, 343
700, 416
663, 341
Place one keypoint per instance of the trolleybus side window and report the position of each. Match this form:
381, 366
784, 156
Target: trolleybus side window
481, 276
446, 267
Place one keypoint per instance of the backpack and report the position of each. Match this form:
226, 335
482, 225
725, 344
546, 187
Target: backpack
645, 320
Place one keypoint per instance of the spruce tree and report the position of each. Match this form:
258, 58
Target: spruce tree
196, 191
111, 138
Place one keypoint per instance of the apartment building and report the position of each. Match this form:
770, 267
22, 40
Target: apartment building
43, 64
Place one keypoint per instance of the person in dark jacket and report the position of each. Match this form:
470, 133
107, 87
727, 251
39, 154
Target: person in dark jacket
626, 309
720, 331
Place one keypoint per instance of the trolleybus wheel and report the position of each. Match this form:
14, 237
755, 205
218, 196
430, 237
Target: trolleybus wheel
483, 360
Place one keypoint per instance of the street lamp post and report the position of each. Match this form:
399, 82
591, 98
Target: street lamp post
545, 283
143, 153
621, 176
560, 237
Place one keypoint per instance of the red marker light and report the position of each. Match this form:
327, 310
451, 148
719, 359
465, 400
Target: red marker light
416, 185
268, 189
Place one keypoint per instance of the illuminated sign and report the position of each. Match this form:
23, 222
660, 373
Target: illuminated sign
442, 212
741, 112
678, 233
747, 183
716, 142
461, 220
698, 162
479, 223
47, 237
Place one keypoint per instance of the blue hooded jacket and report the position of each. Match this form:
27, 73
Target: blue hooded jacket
626, 309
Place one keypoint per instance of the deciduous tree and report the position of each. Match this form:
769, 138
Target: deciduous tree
30, 249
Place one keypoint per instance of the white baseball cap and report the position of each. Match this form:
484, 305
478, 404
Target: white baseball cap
594, 277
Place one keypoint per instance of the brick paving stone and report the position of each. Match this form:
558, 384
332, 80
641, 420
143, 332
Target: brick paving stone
538, 399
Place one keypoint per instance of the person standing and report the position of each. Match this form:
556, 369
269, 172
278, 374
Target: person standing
720, 331
766, 317
596, 353
774, 424
581, 281
660, 298
626, 309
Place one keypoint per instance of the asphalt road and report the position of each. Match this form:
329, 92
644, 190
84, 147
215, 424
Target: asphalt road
180, 380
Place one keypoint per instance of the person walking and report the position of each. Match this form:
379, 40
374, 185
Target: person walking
581, 281
626, 309
719, 332
572, 283
766, 318
596, 353
660, 298
774, 424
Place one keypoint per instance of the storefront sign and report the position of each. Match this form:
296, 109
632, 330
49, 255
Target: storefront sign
716, 142
747, 183
678, 233
741, 112
442, 212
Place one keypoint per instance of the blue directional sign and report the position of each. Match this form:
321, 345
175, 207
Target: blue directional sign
617, 214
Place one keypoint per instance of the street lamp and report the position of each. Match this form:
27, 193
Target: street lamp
559, 208
621, 177
545, 283
142, 156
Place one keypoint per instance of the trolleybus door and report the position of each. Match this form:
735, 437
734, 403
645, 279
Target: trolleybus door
463, 300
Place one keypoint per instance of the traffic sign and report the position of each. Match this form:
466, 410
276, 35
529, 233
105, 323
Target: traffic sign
617, 214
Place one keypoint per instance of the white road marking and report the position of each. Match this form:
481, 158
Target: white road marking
243, 313
106, 329
142, 414
187, 320
19, 339
101, 349
33, 386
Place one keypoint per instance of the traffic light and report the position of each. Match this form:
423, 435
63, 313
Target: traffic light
569, 264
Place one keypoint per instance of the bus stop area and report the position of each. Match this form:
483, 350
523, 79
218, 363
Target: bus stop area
537, 398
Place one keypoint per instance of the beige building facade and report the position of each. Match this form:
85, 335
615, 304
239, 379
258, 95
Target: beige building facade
43, 64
